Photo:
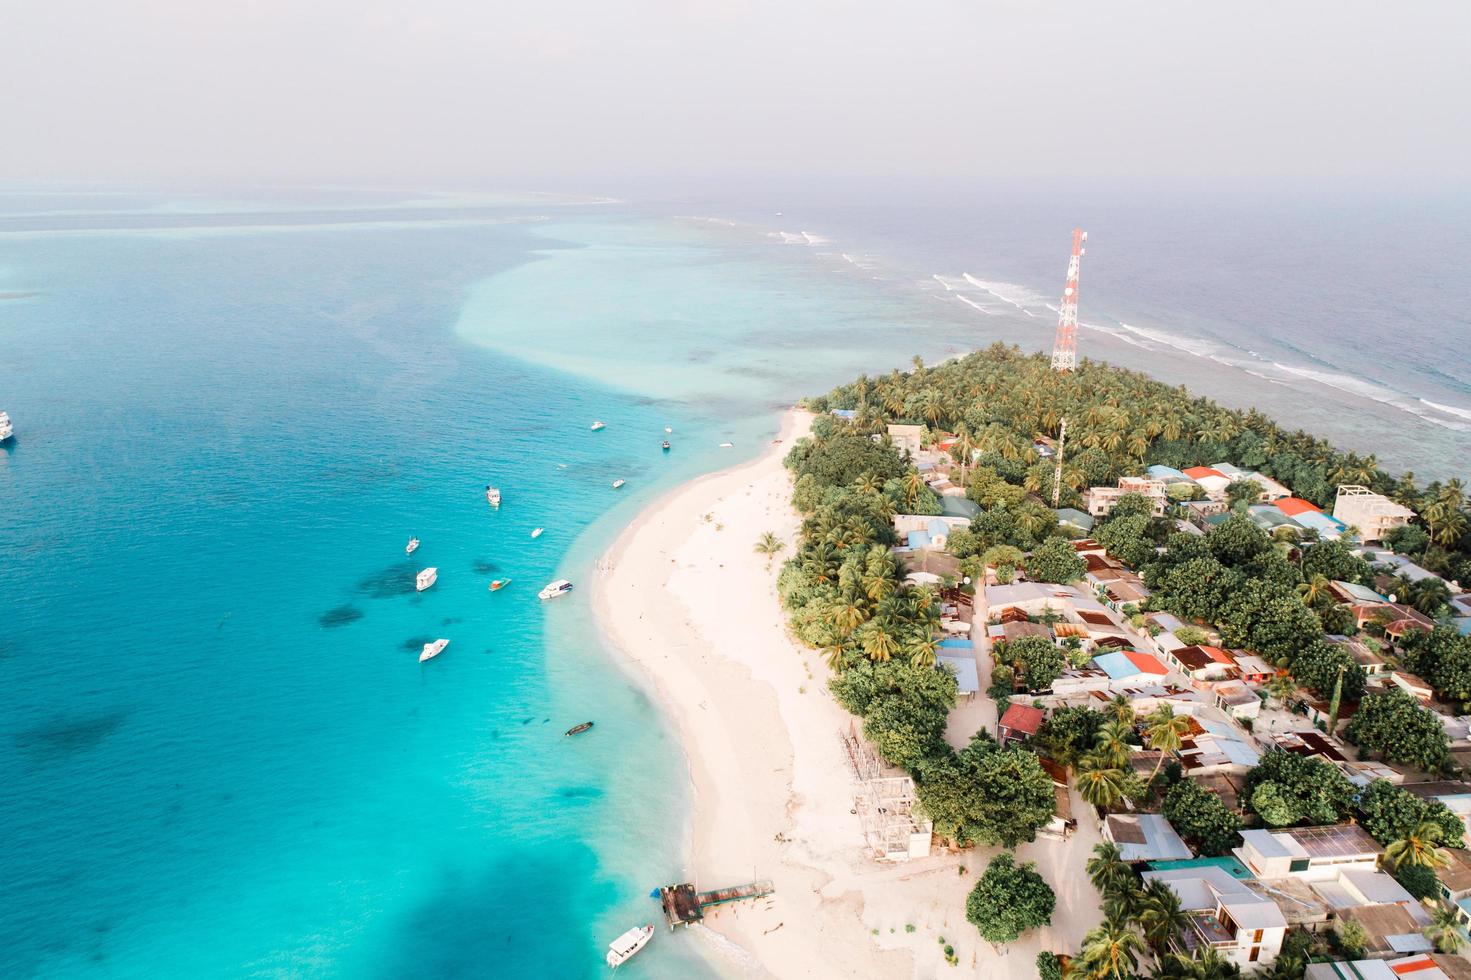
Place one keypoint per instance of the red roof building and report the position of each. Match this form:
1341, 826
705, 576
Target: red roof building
1292, 506
1019, 722
1196, 472
1148, 663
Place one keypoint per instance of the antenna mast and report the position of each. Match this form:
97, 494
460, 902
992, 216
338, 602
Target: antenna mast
1065, 345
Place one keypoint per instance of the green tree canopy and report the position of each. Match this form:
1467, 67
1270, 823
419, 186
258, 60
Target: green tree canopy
1009, 899
1055, 560
1298, 790
987, 794
1199, 816
1390, 813
1393, 724
1040, 660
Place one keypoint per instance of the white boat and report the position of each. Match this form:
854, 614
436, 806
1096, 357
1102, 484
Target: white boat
622, 949
432, 650
493, 496
560, 587
536, 532
412, 546
426, 578
726, 445
667, 430
598, 425
6, 428
618, 483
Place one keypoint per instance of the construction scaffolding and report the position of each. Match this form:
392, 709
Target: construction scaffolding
885, 803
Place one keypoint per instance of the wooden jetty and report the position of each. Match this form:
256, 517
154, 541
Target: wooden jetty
683, 905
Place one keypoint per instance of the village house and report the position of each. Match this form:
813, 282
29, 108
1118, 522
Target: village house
907, 438
1144, 837
1209, 479
1454, 882
1367, 659
1236, 699
1019, 723
1309, 853
1243, 926
1423, 966
1201, 663
1389, 929
1101, 499
1374, 514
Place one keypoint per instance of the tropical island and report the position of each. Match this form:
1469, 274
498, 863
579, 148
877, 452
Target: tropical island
1190, 703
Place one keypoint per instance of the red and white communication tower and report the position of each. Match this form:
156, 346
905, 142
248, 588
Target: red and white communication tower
1065, 347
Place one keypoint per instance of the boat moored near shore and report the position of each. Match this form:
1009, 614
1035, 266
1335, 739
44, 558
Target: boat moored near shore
560, 587
412, 546
622, 949
7, 428
618, 483
598, 426
579, 729
426, 578
492, 495
432, 650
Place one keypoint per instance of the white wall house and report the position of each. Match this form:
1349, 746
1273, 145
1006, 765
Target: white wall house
1308, 853
1226, 915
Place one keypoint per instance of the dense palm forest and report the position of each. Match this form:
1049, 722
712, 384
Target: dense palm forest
998, 400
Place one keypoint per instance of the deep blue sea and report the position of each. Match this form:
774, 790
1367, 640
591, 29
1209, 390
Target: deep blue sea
219, 755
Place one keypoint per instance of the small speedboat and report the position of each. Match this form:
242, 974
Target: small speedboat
497, 584
665, 447
598, 426
560, 587
622, 949
726, 445
618, 483
7, 429
432, 650
493, 496
537, 531
667, 430
412, 546
426, 578
579, 729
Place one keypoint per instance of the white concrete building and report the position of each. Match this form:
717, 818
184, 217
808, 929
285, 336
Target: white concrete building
1102, 499
1226, 915
1309, 853
907, 438
1372, 513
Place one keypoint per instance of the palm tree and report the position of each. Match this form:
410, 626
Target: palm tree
769, 545
1108, 870
1314, 589
836, 651
1111, 950
1099, 783
1121, 709
1420, 846
847, 612
1281, 687
922, 650
1111, 743
1165, 731
1444, 929
878, 641
868, 484
1160, 915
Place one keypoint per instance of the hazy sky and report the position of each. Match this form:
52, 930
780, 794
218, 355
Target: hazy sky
485, 90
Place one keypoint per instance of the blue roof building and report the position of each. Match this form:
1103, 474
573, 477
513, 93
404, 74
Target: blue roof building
919, 539
1167, 473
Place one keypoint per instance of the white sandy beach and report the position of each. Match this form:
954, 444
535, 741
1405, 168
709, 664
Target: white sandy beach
684, 595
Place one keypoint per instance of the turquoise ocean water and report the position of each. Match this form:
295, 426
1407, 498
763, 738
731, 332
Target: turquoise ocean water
220, 754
